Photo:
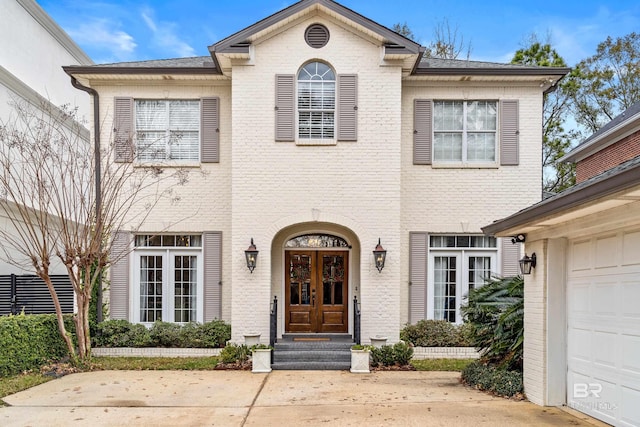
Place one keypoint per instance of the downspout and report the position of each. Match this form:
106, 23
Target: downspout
96, 139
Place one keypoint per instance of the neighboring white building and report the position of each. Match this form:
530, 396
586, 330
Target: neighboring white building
34, 49
582, 311
319, 132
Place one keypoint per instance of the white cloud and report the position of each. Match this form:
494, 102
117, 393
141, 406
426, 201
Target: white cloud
164, 35
100, 34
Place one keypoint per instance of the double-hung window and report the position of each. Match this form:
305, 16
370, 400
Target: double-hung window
458, 263
465, 132
168, 280
316, 101
167, 130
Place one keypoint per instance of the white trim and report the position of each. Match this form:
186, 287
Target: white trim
46, 22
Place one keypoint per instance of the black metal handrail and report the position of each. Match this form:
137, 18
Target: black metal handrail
356, 320
273, 324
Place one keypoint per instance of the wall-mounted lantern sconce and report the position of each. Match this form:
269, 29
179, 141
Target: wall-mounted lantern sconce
379, 255
251, 254
527, 263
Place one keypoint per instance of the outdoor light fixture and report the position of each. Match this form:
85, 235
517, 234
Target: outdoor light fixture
379, 255
251, 254
527, 263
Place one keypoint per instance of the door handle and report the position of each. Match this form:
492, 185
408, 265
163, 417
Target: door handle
313, 298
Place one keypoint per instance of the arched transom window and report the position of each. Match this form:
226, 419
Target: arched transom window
316, 101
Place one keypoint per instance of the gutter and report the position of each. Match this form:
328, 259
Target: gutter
98, 173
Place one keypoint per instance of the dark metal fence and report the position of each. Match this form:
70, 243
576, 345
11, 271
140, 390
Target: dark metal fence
356, 321
273, 322
30, 294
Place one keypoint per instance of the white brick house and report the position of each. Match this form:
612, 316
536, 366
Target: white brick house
320, 132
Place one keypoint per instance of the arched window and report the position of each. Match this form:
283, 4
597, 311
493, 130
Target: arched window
316, 101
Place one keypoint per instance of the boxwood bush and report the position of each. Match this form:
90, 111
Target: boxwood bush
398, 354
30, 341
435, 333
120, 333
492, 379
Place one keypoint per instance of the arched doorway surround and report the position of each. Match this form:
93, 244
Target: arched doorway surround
315, 275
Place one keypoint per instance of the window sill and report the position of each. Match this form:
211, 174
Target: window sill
316, 141
168, 164
454, 165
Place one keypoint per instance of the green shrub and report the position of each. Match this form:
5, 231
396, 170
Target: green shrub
431, 333
495, 380
496, 311
234, 353
391, 355
120, 333
466, 333
29, 341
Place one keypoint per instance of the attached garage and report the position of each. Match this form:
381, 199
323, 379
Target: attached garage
603, 326
582, 299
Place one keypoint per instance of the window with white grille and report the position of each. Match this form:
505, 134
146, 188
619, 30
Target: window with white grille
167, 130
465, 131
316, 101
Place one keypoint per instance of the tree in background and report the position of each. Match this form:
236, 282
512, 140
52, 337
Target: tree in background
557, 137
606, 83
447, 42
404, 30
47, 193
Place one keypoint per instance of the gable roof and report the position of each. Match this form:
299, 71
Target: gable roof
624, 177
240, 41
622, 125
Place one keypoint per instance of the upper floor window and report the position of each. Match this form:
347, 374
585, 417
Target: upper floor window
316, 101
465, 131
167, 129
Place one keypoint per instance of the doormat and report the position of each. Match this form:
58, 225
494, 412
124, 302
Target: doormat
312, 339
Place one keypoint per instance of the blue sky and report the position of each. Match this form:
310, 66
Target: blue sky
132, 30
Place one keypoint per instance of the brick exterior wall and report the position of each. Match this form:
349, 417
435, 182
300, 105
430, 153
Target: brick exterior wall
615, 154
364, 190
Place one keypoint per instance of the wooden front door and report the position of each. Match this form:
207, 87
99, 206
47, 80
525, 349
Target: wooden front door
316, 286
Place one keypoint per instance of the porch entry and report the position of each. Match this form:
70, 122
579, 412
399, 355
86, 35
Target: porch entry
316, 290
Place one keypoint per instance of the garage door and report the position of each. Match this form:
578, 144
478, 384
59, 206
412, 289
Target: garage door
603, 351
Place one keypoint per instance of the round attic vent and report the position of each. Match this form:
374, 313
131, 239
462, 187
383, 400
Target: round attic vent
316, 36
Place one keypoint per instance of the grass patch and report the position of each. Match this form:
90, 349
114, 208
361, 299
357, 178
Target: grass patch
15, 383
456, 365
154, 363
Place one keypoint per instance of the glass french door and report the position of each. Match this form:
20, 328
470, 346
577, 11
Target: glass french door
316, 286
452, 275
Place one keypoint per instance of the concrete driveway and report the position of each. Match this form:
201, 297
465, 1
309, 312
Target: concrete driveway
238, 398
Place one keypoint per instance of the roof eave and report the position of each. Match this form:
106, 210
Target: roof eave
497, 71
599, 189
73, 69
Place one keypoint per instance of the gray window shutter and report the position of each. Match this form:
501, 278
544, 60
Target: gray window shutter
123, 129
418, 250
210, 130
119, 286
422, 131
509, 132
510, 258
285, 107
347, 107
212, 246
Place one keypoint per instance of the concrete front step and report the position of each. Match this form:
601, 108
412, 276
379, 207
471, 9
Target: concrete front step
311, 356
311, 366
312, 352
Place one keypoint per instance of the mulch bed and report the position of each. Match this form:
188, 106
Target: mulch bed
394, 368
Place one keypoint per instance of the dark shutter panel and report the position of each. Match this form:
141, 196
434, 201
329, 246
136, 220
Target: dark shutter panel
347, 107
510, 258
210, 130
212, 275
418, 249
123, 129
285, 107
119, 286
422, 131
509, 132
